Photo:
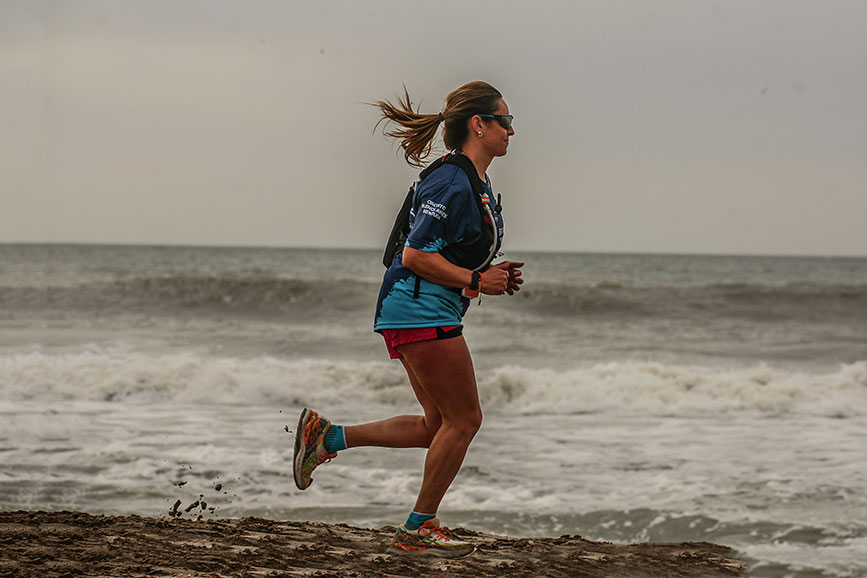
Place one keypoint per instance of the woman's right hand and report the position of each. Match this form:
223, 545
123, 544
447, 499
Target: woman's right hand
494, 281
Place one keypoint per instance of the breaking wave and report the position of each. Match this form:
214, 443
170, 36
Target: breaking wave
797, 301
617, 388
242, 294
273, 295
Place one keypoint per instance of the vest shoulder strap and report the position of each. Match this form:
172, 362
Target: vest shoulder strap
461, 161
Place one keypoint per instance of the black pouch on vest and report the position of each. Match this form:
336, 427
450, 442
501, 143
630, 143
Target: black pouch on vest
399, 231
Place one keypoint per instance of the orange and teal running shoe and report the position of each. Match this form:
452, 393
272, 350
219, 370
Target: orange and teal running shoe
430, 540
309, 447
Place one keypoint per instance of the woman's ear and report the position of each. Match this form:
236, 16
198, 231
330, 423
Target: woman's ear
476, 123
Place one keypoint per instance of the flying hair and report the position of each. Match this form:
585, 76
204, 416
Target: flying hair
417, 132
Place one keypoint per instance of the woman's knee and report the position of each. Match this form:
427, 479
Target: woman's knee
475, 421
469, 423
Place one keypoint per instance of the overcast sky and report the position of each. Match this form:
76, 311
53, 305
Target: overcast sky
682, 126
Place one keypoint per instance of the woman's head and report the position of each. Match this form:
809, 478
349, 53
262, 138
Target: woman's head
464, 102
418, 131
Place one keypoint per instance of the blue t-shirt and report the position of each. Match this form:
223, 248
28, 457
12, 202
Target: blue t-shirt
445, 215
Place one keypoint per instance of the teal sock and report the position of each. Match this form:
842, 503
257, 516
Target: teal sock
415, 520
334, 440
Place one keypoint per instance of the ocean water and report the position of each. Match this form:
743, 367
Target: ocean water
626, 397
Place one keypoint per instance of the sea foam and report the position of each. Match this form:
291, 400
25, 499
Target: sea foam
618, 388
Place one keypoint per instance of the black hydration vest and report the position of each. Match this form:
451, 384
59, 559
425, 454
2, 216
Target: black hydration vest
477, 256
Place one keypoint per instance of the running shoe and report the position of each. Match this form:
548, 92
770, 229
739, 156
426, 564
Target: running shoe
310, 447
430, 540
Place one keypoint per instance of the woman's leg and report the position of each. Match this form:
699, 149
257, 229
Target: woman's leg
404, 431
313, 446
442, 376
444, 371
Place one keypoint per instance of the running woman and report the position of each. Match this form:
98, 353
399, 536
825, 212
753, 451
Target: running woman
424, 295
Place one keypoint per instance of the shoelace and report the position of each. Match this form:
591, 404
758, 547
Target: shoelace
438, 531
320, 459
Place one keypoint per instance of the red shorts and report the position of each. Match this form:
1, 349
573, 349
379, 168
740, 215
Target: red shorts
397, 337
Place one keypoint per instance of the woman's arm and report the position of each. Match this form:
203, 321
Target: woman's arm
437, 269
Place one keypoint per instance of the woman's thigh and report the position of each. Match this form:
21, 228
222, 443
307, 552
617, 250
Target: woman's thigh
443, 369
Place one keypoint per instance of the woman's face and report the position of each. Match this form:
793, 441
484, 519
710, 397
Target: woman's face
495, 138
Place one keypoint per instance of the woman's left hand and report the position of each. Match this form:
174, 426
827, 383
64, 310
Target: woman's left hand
513, 268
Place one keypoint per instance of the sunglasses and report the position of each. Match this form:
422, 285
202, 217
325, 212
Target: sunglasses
505, 120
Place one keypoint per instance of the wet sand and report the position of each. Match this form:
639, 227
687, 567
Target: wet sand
63, 544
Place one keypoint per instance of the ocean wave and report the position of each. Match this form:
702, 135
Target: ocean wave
174, 293
798, 301
264, 294
615, 388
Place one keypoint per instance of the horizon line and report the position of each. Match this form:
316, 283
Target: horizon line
345, 248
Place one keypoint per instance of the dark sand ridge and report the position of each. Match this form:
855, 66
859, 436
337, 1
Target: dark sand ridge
66, 544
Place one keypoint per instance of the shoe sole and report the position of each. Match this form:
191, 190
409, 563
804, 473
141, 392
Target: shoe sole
432, 552
298, 461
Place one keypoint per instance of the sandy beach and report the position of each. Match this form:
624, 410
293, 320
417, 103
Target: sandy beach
60, 544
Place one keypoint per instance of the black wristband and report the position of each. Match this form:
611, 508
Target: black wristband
477, 279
